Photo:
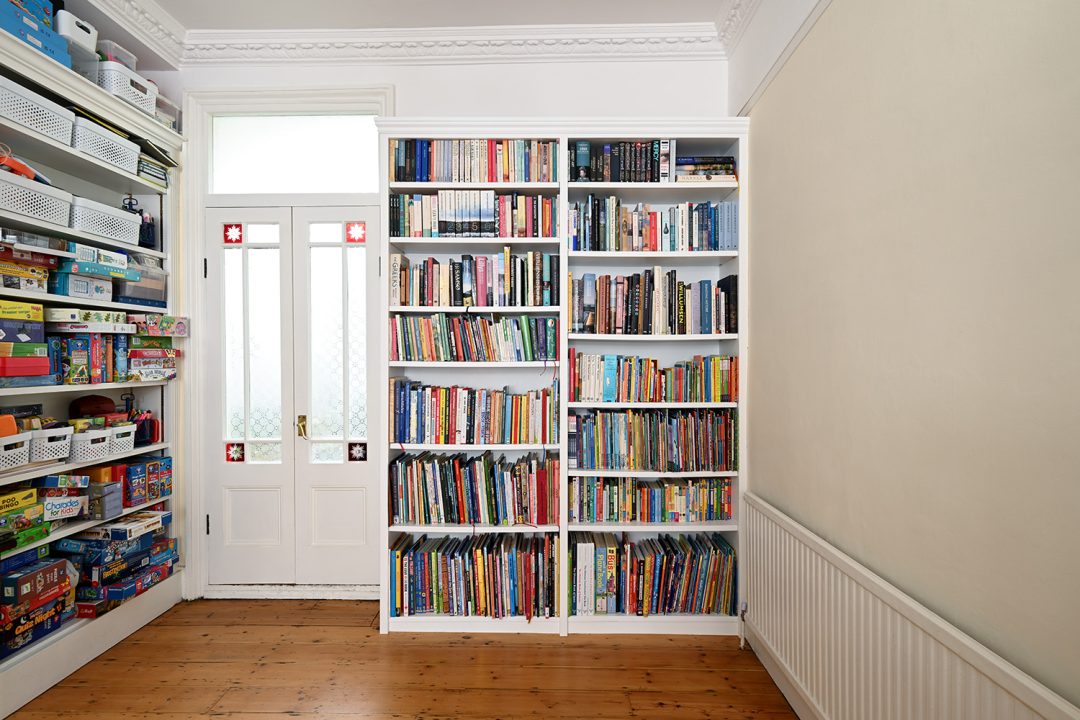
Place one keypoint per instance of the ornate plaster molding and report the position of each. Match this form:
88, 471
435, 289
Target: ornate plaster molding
149, 22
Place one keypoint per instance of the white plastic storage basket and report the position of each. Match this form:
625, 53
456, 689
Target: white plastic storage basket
100, 219
91, 446
29, 109
106, 145
52, 444
14, 451
35, 200
79, 33
128, 85
123, 439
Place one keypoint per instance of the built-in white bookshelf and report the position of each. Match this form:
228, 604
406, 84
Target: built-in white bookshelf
46, 662
720, 137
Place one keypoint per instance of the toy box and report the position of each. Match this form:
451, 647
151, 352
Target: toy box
114, 571
9, 541
22, 559
112, 259
106, 500
16, 276
65, 507
12, 500
77, 315
83, 253
32, 581
34, 626
165, 478
135, 484
144, 342
76, 360
10, 613
23, 350
97, 552
23, 366
22, 331
11, 310
80, 286
62, 481
24, 518
160, 325
128, 528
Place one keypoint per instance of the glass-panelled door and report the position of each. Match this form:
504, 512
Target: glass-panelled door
291, 495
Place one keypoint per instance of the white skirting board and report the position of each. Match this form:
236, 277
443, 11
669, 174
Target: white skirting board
842, 643
31, 672
291, 592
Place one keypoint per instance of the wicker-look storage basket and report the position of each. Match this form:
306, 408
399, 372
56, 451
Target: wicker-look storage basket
90, 446
36, 200
14, 451
94, 140
123, 439
128, 85
29, 109
54, 444
108, 222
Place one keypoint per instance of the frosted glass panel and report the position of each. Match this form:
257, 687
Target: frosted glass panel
263, 453
357, 259
267, 233
327, 386
232, 276
264, 343
327, 453
333, 153
325, 232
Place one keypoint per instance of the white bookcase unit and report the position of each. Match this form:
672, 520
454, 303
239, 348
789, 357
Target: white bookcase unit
722, 137
46, 662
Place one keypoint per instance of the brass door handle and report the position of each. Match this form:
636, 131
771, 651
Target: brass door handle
301, 426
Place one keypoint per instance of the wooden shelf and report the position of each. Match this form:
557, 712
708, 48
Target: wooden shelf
687, 527
580, 472
651, 405
36, 147
696, 337
64, 300
474, 529
479, 309
21, 222
77, 527
537, 187
507, 364
29, 472
50, 389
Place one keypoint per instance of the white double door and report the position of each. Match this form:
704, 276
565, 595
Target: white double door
291, 495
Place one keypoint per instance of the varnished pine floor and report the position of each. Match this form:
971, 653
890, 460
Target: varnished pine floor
263, 660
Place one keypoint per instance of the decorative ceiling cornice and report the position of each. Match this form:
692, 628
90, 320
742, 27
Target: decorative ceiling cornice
733, 21
149, 22
671, 41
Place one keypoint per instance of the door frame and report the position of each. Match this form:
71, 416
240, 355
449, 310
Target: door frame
200, 106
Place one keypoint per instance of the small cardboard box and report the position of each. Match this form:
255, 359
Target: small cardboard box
12, 500
11, 310
64, 508
113, 259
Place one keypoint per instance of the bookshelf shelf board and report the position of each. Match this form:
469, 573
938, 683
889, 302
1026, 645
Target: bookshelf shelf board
479, 309
78, 527
653, 405
580, 472
29, 472
673, 187
51, 389
21, 222
696, 337
453, 245
472, 447
552, 187
64, 300
167, 593
68, 160
654, 624
507, 364
655, 527
457, 623
474, 529
663, 257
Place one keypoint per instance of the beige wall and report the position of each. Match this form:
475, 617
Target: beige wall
915, 308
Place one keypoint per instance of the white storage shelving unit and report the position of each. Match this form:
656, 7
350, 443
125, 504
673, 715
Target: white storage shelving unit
44, 663
728, 135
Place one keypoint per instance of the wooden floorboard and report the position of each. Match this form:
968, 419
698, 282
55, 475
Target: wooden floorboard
307, 659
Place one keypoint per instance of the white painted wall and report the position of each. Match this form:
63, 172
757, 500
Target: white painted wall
914, 311
551, 89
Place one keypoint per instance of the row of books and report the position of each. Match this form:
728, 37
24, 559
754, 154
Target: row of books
634, 500
608, 225
474, 160
653, 302
671, 574
657, 440
704, 167
465, 338
474, 213
485, 575
460, 490
501, 280
628, 378
646, 160
459, 415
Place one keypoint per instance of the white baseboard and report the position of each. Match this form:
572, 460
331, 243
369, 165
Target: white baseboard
291, 592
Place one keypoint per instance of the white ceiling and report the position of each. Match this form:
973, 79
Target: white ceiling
355, 14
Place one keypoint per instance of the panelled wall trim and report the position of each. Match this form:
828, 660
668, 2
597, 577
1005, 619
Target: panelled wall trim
524, 43
843, 643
